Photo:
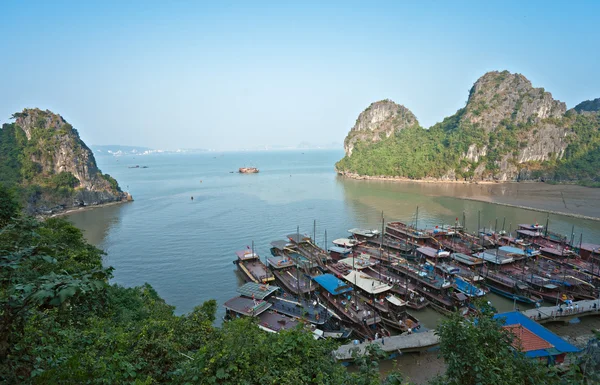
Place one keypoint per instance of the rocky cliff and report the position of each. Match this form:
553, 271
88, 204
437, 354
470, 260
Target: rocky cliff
507, 131
44, 155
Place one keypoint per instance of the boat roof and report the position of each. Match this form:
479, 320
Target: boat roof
493, 258
517, 318
356, 262
591, 247
364, 233
395, 300
512, 250
275, 322
345, 242
332, 284
340, 250
367, 283
428, 251
553, 251
247, 306
246, 254
280, 262
528, 226
297, 238
460, 296
256, 290
281, 244
529, 233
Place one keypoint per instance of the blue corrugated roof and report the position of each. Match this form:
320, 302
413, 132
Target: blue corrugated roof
332, 284
517, 318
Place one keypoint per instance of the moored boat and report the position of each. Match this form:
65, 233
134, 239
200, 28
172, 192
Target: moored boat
251, 268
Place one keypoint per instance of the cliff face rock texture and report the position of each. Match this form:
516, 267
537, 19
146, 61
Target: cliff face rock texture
507, 131
55, 167
379, 121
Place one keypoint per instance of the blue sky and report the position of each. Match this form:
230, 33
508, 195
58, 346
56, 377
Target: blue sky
238, 75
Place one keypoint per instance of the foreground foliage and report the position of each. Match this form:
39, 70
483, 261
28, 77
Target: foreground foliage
61, 322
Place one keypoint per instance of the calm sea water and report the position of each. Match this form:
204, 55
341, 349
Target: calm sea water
184, 248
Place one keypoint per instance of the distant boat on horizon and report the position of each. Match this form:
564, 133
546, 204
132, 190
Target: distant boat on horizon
248, 170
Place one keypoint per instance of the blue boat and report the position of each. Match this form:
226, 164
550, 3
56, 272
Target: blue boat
468, 288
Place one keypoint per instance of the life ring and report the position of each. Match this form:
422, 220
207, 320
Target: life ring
564, 297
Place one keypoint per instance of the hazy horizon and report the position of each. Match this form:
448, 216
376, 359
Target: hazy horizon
244, 75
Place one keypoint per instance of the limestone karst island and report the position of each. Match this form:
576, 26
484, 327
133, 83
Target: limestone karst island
507, 131
326, 193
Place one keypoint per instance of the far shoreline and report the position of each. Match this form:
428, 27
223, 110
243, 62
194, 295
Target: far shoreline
82, 209
554, 199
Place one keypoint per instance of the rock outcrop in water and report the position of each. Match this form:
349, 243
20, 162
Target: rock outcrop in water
43, 155
508, 131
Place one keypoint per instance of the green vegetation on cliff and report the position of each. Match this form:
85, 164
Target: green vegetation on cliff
45, 161
507, 131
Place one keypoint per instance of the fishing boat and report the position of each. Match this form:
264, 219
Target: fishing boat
364, 235
338, 253
400, 287
401, 230
251, 268
290, 268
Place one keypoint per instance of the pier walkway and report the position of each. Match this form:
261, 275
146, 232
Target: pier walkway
406, 343
566, 313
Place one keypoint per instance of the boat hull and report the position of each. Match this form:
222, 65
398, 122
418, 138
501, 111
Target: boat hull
510, 295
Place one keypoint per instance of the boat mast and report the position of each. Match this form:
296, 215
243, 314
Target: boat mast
326, 241
315, 232
503, 223
381, 245
298, 262
546, 228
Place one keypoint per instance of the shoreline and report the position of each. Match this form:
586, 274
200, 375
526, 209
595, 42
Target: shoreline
85, 208
559, 199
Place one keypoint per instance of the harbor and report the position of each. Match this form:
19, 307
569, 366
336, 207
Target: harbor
366, 291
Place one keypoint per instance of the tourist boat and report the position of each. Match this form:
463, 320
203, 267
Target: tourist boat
467, 288
306, 247
340, 296
346, 243
274, 313
400, 287
314, 312
290, 269
508, 287
376, 292
364, 235
401, 230
251, 268
248, 170
338, 253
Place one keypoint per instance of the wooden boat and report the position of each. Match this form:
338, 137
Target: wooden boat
508, 287
251, 268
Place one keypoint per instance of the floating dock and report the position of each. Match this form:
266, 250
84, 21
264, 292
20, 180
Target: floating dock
406, 343
552, 314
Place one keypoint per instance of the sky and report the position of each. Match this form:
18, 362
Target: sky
234, 75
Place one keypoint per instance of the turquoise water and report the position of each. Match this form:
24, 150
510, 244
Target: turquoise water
185, 248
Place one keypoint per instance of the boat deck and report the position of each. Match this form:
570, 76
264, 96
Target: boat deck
313, 313
276, 322
404, 343
247, 306
295, 281
257, 270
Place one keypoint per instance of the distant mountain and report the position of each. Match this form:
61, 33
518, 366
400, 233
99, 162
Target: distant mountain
508, 131
42, 156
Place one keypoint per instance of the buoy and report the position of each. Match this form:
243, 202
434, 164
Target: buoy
192, 198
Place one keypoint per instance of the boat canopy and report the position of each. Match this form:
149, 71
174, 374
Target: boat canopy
297, 238
332, 284
340, 250
530, 233
247, 306
395, 300
493, 258
245, 255
367, 283
281, 245
466, 259
257, 290
365, 233
345, 242
280, 262
432, 253
359, 262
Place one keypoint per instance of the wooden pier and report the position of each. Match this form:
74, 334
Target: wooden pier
553, 314
415, 342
